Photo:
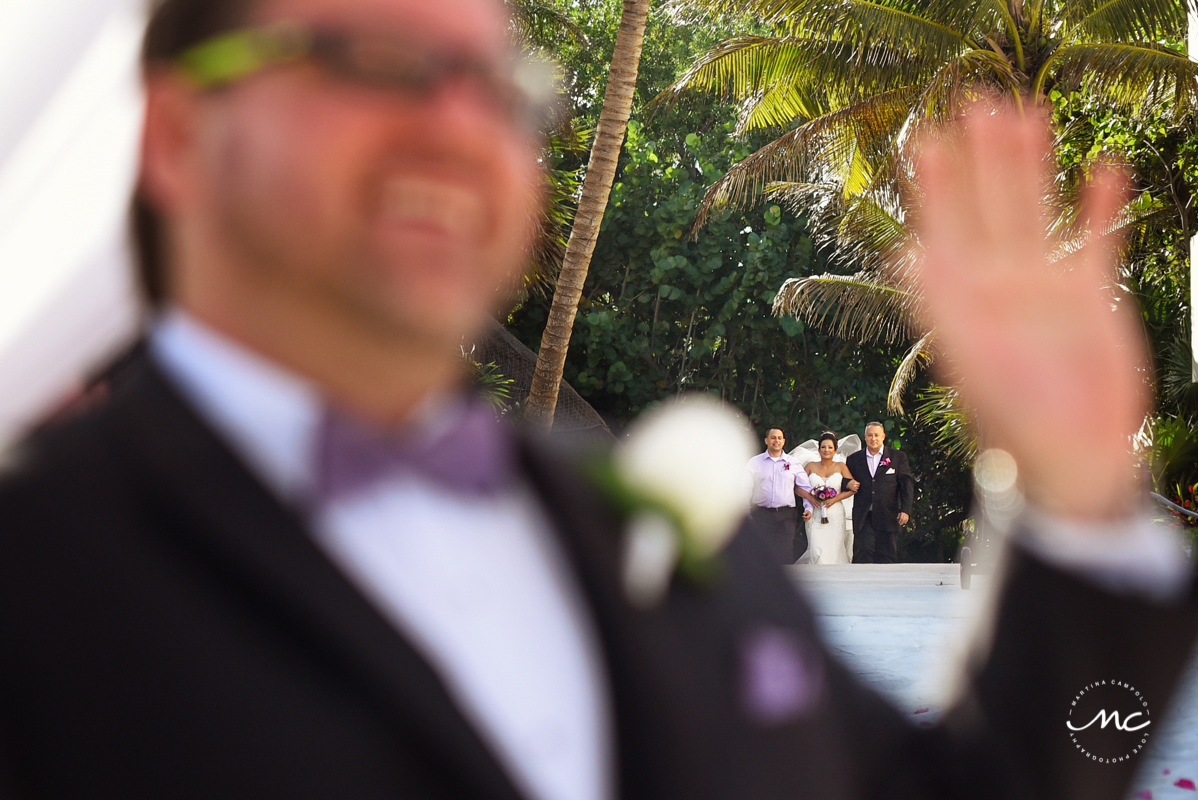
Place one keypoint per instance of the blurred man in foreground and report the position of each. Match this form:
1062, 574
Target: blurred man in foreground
290, 558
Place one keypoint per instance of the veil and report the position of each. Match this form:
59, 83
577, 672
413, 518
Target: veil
808, 451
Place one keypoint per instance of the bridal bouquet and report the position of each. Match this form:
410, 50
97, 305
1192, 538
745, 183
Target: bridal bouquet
823, 494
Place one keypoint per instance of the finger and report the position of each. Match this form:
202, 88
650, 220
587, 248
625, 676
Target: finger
1008, 155
1103, 201
942, 220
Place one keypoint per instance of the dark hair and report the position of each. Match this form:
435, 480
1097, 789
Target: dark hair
869, 425
830, 437
777, 428
174, 27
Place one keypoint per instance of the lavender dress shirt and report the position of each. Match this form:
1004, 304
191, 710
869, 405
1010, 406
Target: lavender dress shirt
775, 479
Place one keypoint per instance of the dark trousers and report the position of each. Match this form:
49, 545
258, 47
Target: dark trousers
872, 546
776, 526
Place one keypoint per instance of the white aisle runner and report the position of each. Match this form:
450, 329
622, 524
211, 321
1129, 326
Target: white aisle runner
897, 627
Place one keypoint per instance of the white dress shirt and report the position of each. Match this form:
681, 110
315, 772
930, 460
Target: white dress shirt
477, 584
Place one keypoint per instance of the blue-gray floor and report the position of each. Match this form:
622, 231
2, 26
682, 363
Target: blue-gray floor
899, 627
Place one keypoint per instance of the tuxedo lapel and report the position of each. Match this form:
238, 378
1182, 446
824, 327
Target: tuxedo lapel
223, 516
668, 745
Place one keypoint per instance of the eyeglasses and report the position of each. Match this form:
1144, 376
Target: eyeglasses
524, 89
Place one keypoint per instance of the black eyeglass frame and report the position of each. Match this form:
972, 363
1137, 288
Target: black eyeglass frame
526, 88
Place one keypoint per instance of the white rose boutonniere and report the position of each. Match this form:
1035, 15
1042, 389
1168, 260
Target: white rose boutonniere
680, 478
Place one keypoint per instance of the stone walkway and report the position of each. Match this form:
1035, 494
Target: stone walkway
900, 627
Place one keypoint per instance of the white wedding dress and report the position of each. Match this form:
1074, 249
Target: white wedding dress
807, 453
827, 542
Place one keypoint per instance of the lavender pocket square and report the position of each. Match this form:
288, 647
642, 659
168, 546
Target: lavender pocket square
782, 676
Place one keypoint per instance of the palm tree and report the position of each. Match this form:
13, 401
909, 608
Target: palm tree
540, 27
852, 83
596, 188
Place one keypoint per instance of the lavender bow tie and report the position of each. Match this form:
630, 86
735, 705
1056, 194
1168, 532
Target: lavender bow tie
466, 451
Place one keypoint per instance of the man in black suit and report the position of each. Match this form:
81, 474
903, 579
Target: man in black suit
287, 557
885, 491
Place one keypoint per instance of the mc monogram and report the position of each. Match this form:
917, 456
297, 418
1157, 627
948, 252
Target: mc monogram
1125, 725
1119, 733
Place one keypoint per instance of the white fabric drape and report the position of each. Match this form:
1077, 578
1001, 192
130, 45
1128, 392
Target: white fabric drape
68, 142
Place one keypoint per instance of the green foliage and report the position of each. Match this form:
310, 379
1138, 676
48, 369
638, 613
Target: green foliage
1175, 464
850, 84
1162, 153
663, 312
494, 388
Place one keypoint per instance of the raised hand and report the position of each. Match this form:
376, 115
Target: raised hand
1040, 351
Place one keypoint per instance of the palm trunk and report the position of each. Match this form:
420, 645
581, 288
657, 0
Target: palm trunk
596, 188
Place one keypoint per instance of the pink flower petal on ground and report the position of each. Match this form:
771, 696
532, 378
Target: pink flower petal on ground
922, 710
1166, 772
1143, 795
1185, 783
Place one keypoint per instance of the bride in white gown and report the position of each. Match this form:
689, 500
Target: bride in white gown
827, 542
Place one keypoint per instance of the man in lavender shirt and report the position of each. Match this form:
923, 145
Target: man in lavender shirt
777, 479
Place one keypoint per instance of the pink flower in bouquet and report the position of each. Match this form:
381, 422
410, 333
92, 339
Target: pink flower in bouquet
823, 494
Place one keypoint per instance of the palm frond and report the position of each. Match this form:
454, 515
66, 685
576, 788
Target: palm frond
1135, 219
1004, 28
918, 357
896, 26
1143, 216
1177, 376
865, 231
867, 228
557, 213
780, 107
1132, 78
931, 29
1124, 20
715, 7
871, 232
542, 25
862, 308
825, 144
743, 66
779, 79
941, 409
773, 78
961, 80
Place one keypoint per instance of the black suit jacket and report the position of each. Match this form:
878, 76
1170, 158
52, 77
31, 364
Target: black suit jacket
890, 491
168, 629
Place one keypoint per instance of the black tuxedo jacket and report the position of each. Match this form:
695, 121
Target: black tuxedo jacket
890, 491
168, 629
